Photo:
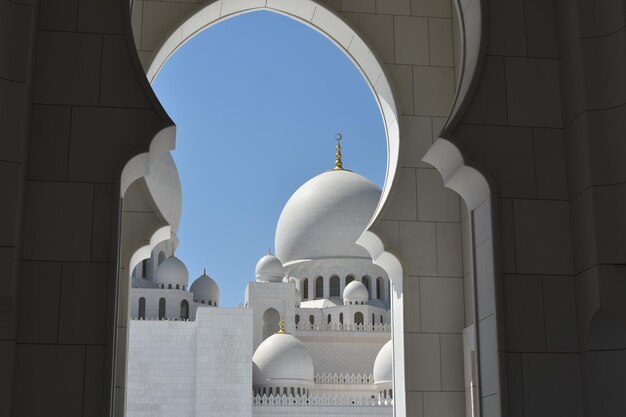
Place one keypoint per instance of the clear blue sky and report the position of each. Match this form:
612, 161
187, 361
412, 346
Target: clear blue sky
256, 117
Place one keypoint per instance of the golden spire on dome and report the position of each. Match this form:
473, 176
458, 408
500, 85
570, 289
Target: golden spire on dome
281, 326
338, 164
269, 251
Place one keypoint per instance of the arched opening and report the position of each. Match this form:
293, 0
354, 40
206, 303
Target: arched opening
311, 319
161, 257
162, 308
379, 282
328, 319
271, 320
377, 256
305, 289
341, 318
334, 286
358, 318
349, 279
366, 281
141, 310
184, 310
297, 319
319, 287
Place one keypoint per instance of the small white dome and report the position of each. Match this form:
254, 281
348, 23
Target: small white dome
383, 367
269, 269
282, 361
355, 292
204, 288
172, 271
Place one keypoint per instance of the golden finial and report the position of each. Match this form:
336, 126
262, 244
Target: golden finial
281, 326
338, 164
269, 251
204, 273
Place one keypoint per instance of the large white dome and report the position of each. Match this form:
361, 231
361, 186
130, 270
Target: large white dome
172, 271
325, 217
282, 361
383, 367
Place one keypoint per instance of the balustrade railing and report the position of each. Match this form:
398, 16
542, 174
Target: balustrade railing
338, 327
317, 400
322, 378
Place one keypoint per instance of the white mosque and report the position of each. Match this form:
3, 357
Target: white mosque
311, 339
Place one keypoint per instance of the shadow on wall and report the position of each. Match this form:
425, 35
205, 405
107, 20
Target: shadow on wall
604, 365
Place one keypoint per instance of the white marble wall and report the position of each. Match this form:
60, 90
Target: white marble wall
356, 355
188, 369
275, 411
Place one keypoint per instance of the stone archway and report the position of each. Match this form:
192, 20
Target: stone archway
371, 55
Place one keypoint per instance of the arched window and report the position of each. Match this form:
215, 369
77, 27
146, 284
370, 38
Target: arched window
161, 257
144, 268
305, 290
162, 286
141, 313
373, 318
271, 319
312, 319
358, 318
334, 286
184, 310
366, 281
298, 318
178, 286
319, 287
328, 320
379, 293
341, 318
169, 286
161, 308
349, 279
381, 319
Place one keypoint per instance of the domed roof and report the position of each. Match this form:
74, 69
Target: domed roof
205, 288
172, 271
383, 366
282, 361
269, 269
355, 291
325, 217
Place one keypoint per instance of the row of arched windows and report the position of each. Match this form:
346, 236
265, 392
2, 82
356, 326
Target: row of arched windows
358, 318
169, 287
141, 309
284, 391
335, 288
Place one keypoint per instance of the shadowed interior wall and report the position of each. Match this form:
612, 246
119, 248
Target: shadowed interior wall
545, 122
